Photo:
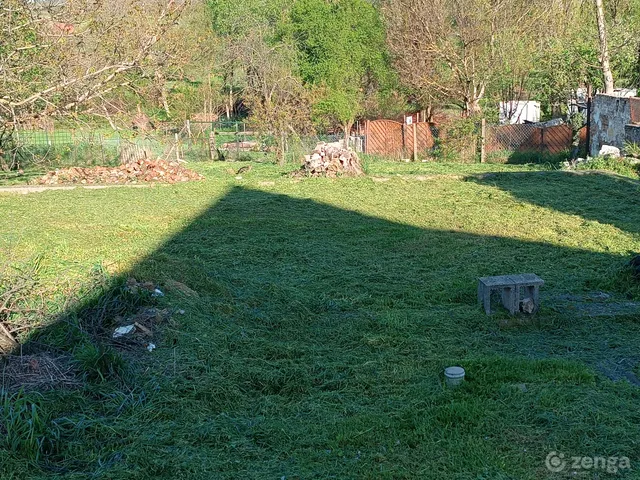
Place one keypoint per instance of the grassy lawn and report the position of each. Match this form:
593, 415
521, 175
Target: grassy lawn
326, 311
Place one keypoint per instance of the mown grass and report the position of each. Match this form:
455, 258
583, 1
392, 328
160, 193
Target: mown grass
326, 312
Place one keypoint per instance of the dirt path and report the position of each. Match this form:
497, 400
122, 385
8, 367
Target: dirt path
25, 189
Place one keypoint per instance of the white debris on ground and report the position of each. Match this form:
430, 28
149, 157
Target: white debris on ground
122, 331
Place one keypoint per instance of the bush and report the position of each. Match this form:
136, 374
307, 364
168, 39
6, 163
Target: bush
457, 141
632, 149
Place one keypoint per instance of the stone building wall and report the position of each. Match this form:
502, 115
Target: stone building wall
609, 117
614, 121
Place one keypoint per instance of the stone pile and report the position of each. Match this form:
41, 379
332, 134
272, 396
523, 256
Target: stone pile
331, 160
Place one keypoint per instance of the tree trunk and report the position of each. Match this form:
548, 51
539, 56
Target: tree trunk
165, 101
473, 94
637, 72
472, 107
347, 132
162, 92
604, 50
429, 114
283, 149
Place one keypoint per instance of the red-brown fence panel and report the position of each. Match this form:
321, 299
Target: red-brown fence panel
525, 137
424, 132
388, 137
556, 139
515, 138
384, 137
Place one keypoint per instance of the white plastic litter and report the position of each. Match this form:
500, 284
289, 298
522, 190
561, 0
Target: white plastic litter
454, 376
157, 293
122, 331
151, 347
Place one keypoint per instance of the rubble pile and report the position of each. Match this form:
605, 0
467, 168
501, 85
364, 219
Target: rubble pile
331, 160
140, 170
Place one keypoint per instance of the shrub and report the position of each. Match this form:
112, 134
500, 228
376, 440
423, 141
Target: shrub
457, 141
632, 149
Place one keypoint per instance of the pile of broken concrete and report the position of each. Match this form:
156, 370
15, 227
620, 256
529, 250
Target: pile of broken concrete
136, 171
331, 160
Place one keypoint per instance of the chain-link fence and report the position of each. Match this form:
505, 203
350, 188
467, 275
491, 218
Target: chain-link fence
238, 141
531, 142
79, 147
190, 140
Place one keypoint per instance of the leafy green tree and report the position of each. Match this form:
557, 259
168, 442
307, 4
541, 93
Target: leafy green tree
237, 18
343, 56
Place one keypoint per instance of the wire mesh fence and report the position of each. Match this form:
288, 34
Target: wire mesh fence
239, 141
191, 140
531, 138
80, 147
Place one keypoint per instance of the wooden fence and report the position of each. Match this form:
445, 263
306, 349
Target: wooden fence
391, 138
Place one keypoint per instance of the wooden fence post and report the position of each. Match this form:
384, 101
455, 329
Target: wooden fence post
415, 142
366, 137
483, 141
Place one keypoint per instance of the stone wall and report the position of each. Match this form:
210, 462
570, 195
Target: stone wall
609, 116
632, 134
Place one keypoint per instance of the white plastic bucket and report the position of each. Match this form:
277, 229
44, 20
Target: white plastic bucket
454, 376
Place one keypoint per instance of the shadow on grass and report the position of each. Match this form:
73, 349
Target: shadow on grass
603, 197
315, 346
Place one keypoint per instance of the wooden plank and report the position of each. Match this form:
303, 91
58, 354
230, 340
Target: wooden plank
415, 142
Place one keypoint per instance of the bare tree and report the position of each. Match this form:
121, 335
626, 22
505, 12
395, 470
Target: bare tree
58, 58
453, 50
278, 101
604, 50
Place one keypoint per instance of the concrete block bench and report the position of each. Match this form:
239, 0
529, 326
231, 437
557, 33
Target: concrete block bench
513, 288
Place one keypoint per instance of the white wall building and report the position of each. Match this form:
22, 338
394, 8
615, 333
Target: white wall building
519, 111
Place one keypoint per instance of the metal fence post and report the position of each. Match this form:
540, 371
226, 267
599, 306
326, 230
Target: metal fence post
483, 141
588, 143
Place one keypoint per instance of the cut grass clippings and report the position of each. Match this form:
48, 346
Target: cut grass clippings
319, 316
